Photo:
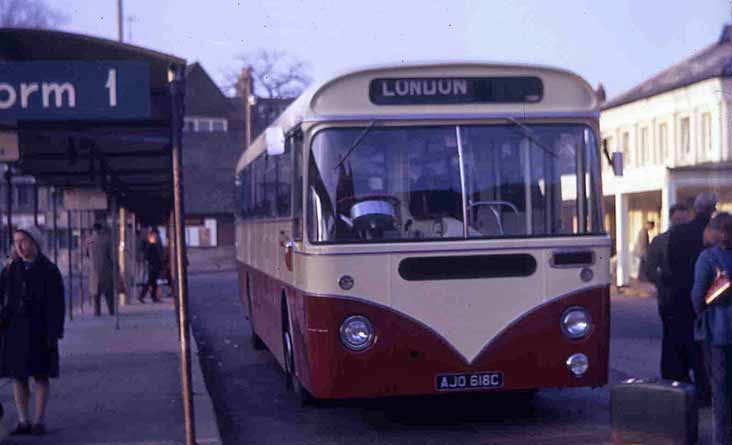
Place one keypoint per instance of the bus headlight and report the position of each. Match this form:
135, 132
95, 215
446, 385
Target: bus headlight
357, 333
578, 364
576, 322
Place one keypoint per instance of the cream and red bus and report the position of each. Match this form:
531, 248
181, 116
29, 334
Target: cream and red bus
424, 229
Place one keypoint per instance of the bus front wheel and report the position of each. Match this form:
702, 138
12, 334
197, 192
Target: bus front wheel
291, 380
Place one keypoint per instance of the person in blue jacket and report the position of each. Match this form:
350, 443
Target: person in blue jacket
713, 325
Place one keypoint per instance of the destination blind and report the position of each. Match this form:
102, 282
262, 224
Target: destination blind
455, 90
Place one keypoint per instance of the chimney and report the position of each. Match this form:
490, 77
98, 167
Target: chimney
600, 93
726, 36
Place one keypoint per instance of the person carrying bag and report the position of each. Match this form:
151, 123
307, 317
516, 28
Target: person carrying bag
713, 326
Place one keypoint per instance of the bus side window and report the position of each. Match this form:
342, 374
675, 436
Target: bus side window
295, 143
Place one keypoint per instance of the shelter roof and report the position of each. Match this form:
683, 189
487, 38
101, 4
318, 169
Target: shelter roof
128, 157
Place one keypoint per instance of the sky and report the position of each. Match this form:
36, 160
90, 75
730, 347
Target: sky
619, 43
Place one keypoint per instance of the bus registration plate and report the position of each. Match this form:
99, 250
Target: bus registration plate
477, 380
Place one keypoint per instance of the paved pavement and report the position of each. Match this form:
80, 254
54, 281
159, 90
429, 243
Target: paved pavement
120, 386
252, 405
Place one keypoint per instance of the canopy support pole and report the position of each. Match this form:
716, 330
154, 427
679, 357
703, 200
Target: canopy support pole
177, 90
9, 206
115, 261
82, 251
121, 253
55, 225
35, 203
69, 240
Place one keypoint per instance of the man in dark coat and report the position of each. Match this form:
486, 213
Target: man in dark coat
31, 323
658, 272
101, 269
681, 354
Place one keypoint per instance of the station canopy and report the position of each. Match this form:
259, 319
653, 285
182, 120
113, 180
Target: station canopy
90, 113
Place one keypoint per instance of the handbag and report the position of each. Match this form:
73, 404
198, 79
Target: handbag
720, 285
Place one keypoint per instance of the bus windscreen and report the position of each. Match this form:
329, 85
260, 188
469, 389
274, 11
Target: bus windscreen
407, 184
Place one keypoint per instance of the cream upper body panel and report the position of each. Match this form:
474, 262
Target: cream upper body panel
346, 97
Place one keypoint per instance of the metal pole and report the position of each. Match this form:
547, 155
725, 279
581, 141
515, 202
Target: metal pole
35, 204
115, 261
247, 93
172, 262
55, 226
69, 240
177, 90
120, 21
121, 254
82, 250
133, 243
9, 205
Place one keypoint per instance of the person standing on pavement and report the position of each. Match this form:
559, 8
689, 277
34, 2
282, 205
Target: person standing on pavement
641, 248
154, 262
101, 269
658, 272
684, 355
31, 324
714, 326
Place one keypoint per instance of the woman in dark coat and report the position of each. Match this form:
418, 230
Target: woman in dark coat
31, 323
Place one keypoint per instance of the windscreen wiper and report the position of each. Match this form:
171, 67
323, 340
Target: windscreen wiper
528, 133
355, 143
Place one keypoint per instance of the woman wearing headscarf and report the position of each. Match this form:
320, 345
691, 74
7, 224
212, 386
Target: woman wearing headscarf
32, 314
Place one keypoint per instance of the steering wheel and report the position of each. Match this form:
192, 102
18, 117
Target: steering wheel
493, 205
370, 215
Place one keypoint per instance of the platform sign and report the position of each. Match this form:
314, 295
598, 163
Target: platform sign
85, 199
74, 90
9, 151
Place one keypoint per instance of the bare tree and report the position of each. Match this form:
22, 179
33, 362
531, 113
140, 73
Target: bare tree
277, 74
29, 14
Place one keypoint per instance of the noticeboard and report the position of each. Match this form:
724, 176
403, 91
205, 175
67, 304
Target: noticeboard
85, 199
74, 90
9, 151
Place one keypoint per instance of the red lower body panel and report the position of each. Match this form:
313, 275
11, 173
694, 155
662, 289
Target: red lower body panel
407, 356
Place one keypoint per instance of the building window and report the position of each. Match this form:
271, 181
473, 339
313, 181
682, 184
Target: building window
205, 124
625, 147
218, 125
663, 142
686, 136
643, 154
706, 133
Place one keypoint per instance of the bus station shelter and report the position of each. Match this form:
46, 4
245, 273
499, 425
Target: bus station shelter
84, 113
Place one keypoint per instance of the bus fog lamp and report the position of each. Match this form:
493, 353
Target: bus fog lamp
586, 274
346, 282
576, 322
578, 364
357, 333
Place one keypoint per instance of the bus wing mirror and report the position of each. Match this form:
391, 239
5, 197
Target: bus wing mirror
617, 163
275, 140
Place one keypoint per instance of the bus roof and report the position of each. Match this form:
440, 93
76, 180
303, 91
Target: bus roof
355, 96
